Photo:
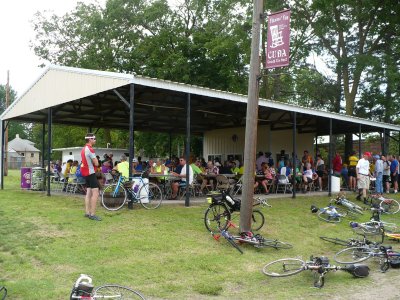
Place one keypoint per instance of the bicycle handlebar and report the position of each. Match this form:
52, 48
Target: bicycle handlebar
262, 202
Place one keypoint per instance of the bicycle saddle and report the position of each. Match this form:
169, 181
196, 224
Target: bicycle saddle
385, 248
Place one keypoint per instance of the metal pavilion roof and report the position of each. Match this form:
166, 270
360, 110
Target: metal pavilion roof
94, 99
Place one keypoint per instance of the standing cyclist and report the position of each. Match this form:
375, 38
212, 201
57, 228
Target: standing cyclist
88, 170
363, 173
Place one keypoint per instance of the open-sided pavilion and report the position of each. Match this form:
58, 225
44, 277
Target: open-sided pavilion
98, 99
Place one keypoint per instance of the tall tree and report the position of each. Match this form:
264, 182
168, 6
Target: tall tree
14, 128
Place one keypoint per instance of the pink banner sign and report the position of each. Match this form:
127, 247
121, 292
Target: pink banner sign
278, 40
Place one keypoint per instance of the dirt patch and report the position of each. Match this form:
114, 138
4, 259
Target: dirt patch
384, 286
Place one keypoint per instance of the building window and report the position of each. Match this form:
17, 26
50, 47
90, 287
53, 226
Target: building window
22, 154
32, 154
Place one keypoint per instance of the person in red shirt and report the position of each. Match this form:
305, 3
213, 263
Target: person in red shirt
88, 171
337, 164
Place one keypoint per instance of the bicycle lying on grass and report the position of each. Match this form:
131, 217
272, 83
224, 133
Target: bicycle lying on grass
388, 206
374, 227
115, 195
84, 289
331, 214
256, 240
349, 242
319, 266
351, 207
3, 292
222, 208
386, 256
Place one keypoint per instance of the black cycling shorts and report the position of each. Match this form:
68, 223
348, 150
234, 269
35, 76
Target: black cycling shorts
352, 172
91, 181
394, 178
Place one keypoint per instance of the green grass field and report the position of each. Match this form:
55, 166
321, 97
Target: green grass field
45, 243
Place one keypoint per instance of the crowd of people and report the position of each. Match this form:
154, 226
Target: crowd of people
356, 174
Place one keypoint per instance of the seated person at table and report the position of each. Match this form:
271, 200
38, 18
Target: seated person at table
123, 167
308, 176
210, 170
73, 169
106, 167
235, 169
182, 182
66, 168
137, 167
226, 168
196, 167
269, 175
158, 168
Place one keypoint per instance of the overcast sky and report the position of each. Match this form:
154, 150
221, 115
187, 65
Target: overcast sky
16, 32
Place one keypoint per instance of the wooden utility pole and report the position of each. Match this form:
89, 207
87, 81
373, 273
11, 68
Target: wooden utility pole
246, 209
6, 131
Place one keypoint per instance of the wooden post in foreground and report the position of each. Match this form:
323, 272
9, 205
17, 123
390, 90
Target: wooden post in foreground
6, 131
246, 209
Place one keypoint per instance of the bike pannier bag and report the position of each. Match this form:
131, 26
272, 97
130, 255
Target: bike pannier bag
360, 271
395, 263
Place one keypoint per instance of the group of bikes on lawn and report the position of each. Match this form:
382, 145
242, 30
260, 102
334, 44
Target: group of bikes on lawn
220, 215
224, 208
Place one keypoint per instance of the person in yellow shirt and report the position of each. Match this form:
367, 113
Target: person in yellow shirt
353, 160
123, 167
73, 169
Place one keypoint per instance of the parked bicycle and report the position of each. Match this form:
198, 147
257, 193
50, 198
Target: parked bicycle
84, 289
388, 206
386, 256
223, 209
319, 266
115, 195
3, 292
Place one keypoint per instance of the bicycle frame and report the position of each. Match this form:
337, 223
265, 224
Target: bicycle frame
129, 190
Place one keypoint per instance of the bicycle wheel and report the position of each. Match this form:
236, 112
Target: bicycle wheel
371, 232
389, 206
257, 220
3, 292
352, 255
113, 197
284, 267
327, 217
335, 241
274, 244
150, 196
216, 217
114, 291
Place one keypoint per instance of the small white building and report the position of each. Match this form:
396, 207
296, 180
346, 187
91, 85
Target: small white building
23, 151
74, 153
